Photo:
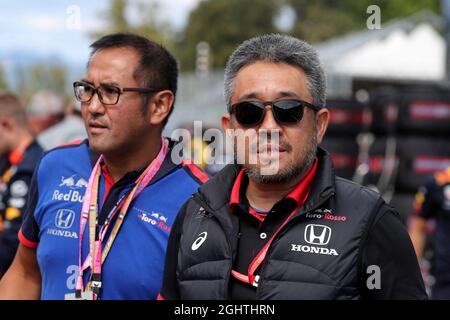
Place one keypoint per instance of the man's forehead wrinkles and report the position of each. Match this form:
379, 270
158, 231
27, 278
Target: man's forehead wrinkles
109, 76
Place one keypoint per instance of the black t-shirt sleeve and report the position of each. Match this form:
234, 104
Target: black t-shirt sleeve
29, 232
169, 289
389, 255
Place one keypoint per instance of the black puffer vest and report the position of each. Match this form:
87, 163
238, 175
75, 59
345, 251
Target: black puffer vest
315, 256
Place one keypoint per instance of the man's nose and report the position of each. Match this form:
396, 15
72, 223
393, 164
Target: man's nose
269, 122
95, 106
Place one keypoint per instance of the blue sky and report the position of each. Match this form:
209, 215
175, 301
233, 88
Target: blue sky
40, 27
45, 28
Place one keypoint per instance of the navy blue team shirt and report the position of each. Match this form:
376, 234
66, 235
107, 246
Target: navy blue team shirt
134, 266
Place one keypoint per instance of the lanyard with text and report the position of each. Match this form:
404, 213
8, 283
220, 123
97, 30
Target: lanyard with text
89, 212
253, 279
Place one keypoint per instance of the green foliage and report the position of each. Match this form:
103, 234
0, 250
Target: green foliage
39, 77
224, 24
403, 8
3, 83
146, 21
320, 20
114, 17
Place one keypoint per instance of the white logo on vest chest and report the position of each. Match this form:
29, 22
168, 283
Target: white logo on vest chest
315, 235
199, 241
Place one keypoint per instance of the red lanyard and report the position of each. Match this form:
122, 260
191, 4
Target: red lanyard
96, 256
253, 279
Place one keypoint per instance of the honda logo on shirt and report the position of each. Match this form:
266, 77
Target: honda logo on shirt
317, 234
64, 218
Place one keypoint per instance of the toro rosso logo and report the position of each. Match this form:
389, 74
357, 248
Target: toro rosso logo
325, 214
154, 218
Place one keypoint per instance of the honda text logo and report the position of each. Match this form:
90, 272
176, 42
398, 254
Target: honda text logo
64, 218
317, 234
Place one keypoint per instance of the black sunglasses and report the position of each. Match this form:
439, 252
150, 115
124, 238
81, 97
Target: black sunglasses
251, 113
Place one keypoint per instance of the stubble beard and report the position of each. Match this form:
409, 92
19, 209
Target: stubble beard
291, 171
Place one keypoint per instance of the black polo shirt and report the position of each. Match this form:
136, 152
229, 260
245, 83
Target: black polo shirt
113, 190
256, 228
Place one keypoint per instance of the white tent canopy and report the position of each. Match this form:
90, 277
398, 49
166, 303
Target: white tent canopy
419, 54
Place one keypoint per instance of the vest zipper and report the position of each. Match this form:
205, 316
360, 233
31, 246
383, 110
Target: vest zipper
197, 198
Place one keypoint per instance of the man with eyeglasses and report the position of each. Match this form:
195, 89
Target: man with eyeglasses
102, 209
298, 232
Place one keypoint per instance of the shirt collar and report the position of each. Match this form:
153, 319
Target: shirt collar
299, 194
166, 167
217, 191
301, 191
236, 191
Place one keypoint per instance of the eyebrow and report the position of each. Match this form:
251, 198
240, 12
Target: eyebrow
112, 83
115, 84
282, 94
87, 81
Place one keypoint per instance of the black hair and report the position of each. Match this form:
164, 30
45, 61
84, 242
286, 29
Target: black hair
157, 67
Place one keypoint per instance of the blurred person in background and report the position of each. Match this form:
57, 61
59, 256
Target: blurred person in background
198, 152
432, 201
45, 109
71, 128
19, 155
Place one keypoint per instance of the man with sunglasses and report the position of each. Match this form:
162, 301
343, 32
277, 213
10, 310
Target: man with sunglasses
298, 232
101, 210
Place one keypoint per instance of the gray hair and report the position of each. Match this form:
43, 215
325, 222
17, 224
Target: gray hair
280, 49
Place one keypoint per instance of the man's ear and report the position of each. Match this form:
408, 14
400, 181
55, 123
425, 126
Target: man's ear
226, 119
322, 119
160, 105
